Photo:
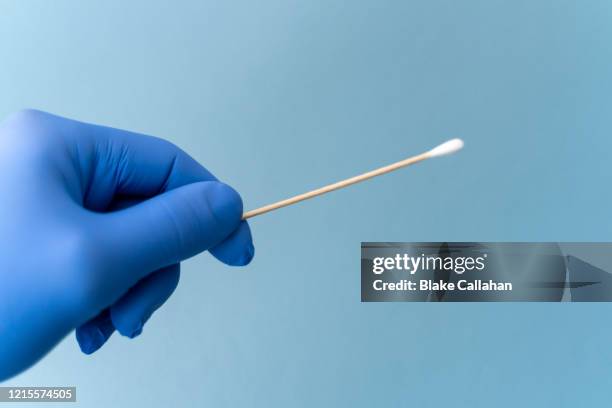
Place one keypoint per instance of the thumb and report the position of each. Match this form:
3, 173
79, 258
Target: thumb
167, 229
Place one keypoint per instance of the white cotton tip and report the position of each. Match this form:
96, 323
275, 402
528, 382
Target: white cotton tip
445, 148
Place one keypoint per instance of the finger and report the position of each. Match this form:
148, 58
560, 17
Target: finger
165, 230
133, 165
94, 333
237, 249
131, 312
150, 166
129, 167
111, 162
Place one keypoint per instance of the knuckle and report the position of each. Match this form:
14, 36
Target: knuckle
25, 133
27, 121
26, 115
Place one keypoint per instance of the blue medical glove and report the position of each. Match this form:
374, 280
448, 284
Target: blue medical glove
93, 224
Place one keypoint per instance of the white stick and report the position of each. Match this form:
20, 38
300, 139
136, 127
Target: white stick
442, 150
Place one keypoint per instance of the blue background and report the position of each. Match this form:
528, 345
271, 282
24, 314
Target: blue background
278, 97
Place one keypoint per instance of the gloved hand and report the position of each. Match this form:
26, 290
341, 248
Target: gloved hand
93, 224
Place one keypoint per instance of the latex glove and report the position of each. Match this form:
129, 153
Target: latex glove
69, 259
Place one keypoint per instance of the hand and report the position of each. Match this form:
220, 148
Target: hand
93, 224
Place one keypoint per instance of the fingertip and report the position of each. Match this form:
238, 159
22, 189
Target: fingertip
237, 249
130, 313
93, 334
249, 255
90, 340
126, 323
131, 330
129, 319
242, 259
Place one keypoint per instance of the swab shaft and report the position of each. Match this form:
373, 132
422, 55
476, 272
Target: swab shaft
336, 186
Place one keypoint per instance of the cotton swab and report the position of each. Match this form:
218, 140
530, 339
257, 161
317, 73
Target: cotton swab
444, 149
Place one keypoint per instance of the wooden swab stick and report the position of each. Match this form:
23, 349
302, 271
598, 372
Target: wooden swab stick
445, 148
